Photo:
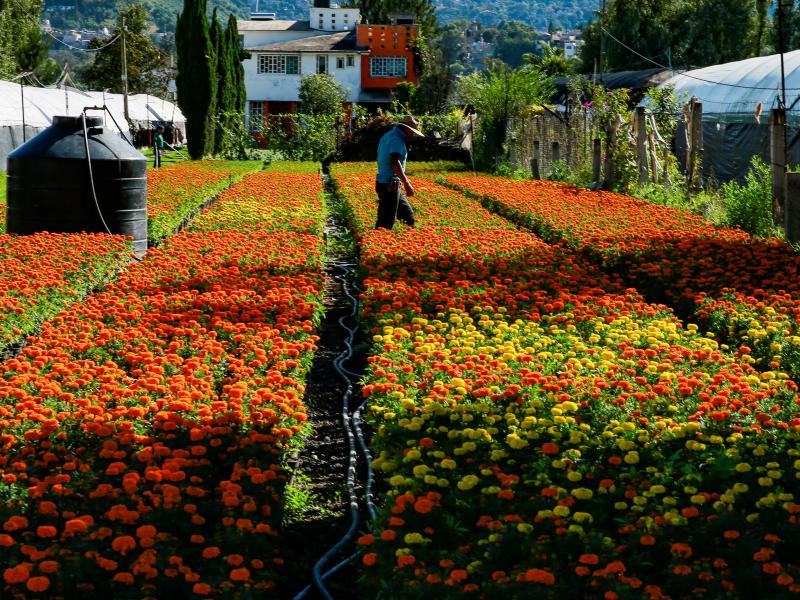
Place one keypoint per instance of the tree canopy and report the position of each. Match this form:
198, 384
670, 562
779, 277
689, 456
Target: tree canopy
19, 34
321, 94
146, 64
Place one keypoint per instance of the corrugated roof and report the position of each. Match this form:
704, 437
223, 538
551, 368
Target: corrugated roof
736, 88
343, 41
277, 25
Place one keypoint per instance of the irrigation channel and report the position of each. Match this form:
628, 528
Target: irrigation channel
329, 495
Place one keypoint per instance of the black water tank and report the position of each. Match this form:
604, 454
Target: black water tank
49, 187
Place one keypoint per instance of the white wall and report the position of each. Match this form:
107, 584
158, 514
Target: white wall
284, 88
333, 19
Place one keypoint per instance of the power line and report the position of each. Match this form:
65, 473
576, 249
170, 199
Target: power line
85, 49
734, 85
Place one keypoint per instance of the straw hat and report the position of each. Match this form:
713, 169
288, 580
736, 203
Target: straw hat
411, 124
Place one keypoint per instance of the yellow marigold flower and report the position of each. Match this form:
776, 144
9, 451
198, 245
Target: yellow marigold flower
468, 482
524, 527
561, 511
743, 467
413, 538
448, 463
583, 493
631, 458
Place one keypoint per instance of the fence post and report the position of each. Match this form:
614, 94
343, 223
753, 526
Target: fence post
651, 153
535, 161
641, 145
696, 152
609, 169
596, 152
792, 208
777, 153
556, 152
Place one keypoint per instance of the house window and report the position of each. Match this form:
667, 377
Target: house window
388, 66
241, 40
322, 64
278, 64
255, 121
340, 62
351, 61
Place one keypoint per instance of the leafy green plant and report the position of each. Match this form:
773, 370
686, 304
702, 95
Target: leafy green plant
749, 206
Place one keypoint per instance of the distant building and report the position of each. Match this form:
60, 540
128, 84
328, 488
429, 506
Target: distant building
367, 60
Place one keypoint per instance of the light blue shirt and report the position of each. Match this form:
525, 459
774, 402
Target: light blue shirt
392, 142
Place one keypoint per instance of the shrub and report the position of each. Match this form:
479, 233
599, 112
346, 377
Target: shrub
749, 206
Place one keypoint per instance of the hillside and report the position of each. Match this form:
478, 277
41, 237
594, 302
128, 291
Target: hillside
539, 13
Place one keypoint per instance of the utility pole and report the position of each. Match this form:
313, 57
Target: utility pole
124, 73
602, 39
781, 49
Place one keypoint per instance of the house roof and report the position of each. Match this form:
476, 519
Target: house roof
277, 25
342, 41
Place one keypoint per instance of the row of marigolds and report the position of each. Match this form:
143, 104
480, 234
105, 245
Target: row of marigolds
542, 432
142, 432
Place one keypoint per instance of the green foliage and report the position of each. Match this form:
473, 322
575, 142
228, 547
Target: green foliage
666, 106
237, 55
19, 26
146, 64
552, 61
513, 41
377, 12
496, 95
304, 137
749, 206
321, 94
680, 32
196, 81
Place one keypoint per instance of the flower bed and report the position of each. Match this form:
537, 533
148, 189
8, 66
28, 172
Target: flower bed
542, 432
143, 432
606, 224
42, 274
177, 191
268, 200
434, 204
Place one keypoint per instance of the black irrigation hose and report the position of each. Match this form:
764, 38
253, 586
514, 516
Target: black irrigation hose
355, 435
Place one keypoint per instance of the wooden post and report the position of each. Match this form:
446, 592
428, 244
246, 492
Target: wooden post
596, 152
696, 152
641, 145
651, 152
665, 171
535, 161
609, 169
777, 147
792, 208
556, 152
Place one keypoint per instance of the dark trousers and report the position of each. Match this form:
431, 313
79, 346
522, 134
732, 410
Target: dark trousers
156, 156
392, 204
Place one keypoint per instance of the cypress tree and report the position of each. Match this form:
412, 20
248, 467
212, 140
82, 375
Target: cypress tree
237, 55
196, 79
218, 43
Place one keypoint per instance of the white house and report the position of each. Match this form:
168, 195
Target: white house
283, 51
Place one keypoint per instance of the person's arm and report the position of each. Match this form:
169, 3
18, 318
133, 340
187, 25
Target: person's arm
397, 169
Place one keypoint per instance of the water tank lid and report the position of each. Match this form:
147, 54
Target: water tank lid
77, 122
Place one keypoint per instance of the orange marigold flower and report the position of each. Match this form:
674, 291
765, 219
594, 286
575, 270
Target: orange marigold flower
771, 568
589, 559
549, 448
458, 574
6, 540
369, 559
366, 540
123, 577
539, 576
682, 570
211, 552
17, 574
616, 566
388, 535
48, 566
730, 534
38, 584
681, 549
240, 574
406, 560
202, 589
146, 531
123, 544
423, 505
647, 540
76, 526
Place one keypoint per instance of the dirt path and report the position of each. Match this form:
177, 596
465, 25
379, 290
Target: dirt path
317, 505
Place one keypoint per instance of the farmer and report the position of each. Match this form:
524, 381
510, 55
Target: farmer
392, 153
158, 146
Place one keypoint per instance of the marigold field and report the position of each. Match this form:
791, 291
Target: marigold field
571, 394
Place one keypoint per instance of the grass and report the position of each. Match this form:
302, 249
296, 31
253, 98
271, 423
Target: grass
168, 157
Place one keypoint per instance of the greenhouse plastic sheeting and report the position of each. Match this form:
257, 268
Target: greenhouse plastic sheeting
42, 104
730, 93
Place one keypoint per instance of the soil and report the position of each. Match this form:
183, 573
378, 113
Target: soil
320, 468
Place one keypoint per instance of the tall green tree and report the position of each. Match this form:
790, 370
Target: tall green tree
497, 94
19, 24
321, 94
146, 64
196, 80
237, 55
219, 42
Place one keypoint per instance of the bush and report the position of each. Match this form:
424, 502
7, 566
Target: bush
749, 206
